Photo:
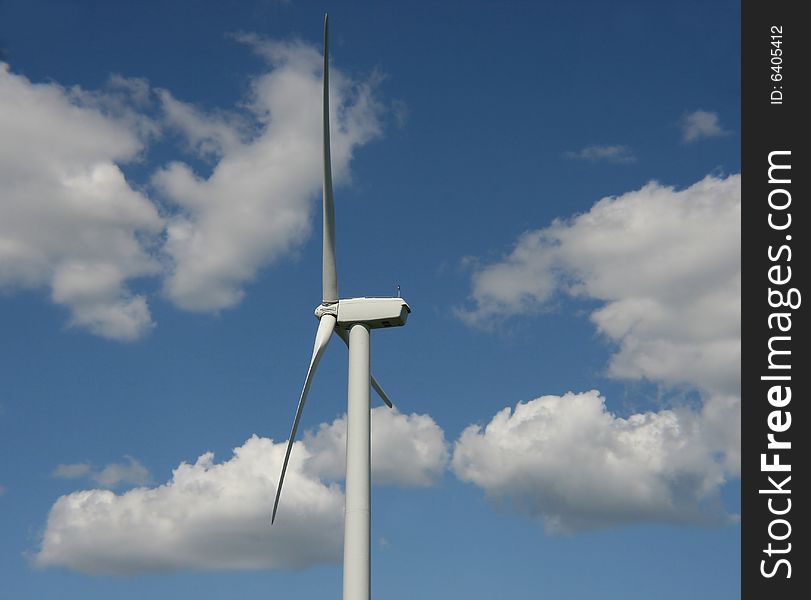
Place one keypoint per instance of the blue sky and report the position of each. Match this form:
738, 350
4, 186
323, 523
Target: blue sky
554, 187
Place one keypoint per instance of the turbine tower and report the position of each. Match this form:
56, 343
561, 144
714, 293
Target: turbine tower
351, 320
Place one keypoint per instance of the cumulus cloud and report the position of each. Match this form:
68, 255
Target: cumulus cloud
256, 203
701, 124
611, 154
69, 220
131, 472
72, 224
664, 266
209, 136
207, 516
569, 462
213, 515
407, 450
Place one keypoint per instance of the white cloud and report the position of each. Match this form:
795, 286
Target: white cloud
72, 471
72, 224
612, 154
569, 462
701, 124
69, 221
131, 472
217, 515
406, 449
256, 204
207, 516
664, 264
208, 135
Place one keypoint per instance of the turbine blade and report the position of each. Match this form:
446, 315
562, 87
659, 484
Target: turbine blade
325, 328
375, 385
329, 273
380, 391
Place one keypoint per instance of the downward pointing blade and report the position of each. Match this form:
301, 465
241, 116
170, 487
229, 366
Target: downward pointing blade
380, 391
329, 272
343, 335
325, 327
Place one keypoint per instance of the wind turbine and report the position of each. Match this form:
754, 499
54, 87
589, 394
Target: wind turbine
350, 319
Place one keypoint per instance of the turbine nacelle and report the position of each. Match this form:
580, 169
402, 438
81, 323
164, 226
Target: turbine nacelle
375, 313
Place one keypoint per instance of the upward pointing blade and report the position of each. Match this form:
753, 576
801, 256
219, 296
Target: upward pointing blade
325, 327
329, 272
